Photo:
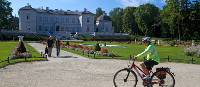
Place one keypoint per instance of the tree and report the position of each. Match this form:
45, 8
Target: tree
99, 12
194, 19
147, 16
181, 19
5, 13
129, 24
171, 17
116, 16
14, 23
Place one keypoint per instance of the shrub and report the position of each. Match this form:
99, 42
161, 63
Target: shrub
21, 48
172, 43
67, 43
86, 48
104, 50
97, 47
80, 46
74, 45
111, 55
193, 51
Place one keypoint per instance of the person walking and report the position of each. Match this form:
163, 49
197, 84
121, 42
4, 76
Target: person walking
58, 43
50, 43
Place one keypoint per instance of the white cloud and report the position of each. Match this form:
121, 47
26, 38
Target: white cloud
140, 2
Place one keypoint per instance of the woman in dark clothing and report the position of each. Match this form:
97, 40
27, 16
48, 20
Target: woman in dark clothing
58, 47
50, 45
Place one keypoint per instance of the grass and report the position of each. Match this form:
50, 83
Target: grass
6, 50
176, 54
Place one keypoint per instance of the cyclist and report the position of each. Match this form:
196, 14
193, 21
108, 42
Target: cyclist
152, 57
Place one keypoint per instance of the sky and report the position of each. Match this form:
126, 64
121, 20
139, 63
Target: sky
90, 5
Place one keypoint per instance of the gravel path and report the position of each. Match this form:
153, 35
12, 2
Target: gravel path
75, 71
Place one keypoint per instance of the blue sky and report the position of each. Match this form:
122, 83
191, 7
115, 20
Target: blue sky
91, 5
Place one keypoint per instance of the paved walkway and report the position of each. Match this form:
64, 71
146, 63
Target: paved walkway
71, 70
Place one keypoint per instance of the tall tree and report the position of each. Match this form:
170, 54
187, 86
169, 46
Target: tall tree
177, 16
14, 23
5, 13
195, 19
99, 12
129, 24
170, 16
147, 17
116, 16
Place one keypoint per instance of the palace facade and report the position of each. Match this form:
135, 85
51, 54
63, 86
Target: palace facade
62, 23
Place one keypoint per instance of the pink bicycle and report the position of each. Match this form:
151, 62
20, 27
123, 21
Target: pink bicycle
127, 77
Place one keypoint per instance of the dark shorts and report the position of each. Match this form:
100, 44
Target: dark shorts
150, 63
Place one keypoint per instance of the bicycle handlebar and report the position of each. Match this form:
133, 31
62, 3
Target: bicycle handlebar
132, 58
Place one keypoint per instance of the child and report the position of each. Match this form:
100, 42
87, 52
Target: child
46, 50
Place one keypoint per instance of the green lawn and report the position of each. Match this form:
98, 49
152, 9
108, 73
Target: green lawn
176, 54
6, 49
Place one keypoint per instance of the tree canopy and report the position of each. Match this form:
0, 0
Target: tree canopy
178, 19
116, 16
99, 12
5, 14
146, 17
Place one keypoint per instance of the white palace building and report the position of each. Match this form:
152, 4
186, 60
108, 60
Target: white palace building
62, 23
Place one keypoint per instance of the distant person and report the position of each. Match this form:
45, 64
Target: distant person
58, 44
50, 45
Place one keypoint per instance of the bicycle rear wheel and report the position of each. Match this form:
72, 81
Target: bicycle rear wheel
125, 78
162, 79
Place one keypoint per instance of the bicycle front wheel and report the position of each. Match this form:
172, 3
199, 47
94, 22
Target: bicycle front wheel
125, 78
162, 79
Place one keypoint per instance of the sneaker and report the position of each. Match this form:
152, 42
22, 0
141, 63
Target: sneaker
146, 80
147, 77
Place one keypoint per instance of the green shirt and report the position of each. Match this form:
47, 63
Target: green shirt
151, 53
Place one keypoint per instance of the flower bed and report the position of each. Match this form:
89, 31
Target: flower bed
90, 50
193, 51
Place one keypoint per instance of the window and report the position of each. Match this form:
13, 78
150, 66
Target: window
87, 29
78, 29
27, 17
57, 28
106, 29
78, 21
61, 28
96, 30
46, 28
39, 18
57, 20
47, 19
40, 28
88, 19
66, 29
62, 20
73, 20
51, 29
67, 20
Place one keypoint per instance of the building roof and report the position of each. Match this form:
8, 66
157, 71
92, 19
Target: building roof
56, 11
104, 17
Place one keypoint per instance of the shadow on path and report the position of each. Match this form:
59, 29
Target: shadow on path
65, 57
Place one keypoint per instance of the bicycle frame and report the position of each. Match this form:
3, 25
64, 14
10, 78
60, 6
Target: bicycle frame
139, 71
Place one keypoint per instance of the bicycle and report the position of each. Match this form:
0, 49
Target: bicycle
163, 77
